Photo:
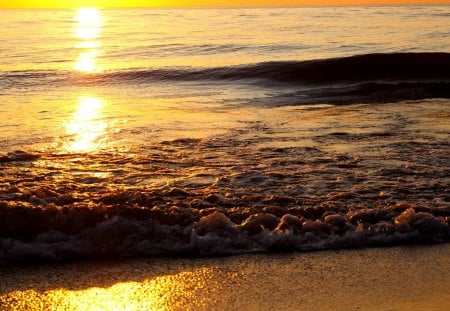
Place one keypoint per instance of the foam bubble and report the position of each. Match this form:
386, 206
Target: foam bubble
213, 234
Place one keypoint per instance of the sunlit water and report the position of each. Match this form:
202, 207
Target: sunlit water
211, 131
39, 46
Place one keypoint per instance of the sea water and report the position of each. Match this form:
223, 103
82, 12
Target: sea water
142, 132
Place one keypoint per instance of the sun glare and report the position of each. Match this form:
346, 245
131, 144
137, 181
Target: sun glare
86, 127
88, 17
86, 61
88, 29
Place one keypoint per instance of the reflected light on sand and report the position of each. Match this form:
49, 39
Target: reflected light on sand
86, 127
88, 28
166, 292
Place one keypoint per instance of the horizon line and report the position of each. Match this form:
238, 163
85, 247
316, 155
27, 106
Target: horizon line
447, 3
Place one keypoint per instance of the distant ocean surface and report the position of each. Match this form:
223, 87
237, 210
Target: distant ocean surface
193, 132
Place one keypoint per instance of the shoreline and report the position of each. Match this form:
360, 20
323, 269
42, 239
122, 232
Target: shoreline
393, 278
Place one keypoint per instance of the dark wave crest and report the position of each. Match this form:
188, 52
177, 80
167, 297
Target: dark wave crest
360, 68
361, 78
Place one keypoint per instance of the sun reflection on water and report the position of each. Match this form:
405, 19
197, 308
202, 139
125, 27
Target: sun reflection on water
166, 292
88, 29
86, 126
86, 61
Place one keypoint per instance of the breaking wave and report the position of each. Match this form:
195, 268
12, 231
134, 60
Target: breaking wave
56, 234
222, 199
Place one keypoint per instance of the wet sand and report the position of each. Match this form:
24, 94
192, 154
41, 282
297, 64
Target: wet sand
397, 278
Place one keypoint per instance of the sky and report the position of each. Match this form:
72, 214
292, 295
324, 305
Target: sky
159, 3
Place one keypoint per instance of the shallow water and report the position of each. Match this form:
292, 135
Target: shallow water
284, 179
134, 73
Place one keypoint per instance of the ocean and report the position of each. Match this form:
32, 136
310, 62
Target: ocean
210, 132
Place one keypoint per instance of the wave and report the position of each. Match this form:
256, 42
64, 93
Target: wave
360, 68
228, 195
55, 234
366, 78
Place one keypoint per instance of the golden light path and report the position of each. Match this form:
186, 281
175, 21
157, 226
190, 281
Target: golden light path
86, 126
86, 61
165, 292
88, 29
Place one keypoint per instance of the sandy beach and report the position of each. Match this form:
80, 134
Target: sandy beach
397, 278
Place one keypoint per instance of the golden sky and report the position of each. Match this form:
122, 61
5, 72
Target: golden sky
156, 3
